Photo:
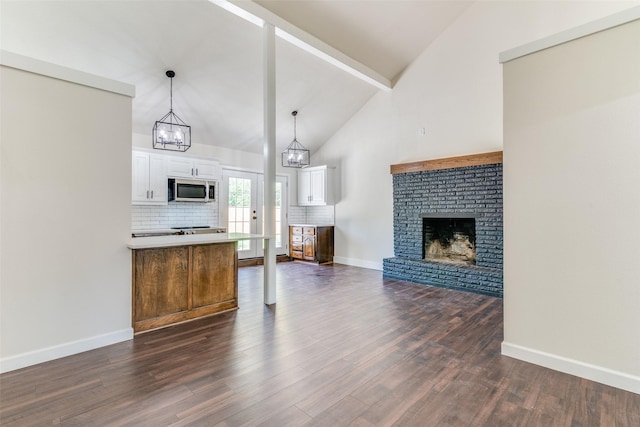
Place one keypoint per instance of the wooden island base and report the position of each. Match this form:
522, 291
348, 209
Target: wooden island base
176, 284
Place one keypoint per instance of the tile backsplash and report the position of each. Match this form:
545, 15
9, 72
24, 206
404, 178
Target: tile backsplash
178, 214
324, 215
297, 215
174, 214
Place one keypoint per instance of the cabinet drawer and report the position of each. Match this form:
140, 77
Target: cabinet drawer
296, 254
296, 247
296, 239
296, 230
309, 231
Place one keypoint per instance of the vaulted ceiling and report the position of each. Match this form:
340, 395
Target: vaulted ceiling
217, 58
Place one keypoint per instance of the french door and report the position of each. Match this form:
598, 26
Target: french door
242, 210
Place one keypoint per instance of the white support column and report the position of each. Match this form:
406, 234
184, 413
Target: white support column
269, 163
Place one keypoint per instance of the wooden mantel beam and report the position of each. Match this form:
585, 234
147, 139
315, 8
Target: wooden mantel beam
449, 163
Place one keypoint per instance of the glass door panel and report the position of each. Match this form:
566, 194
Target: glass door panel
282, 229
241, 213
242, 209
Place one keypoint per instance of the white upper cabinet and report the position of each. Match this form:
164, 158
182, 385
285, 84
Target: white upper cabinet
149, 179
207, 169
180, 167
315, 186
184, 167
304, 188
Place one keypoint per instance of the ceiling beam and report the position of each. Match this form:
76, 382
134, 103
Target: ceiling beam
258, 15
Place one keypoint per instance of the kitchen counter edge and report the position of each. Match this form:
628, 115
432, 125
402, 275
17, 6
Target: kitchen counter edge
189, 239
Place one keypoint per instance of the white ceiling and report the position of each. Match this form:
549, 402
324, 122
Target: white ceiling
217, 58
386, 35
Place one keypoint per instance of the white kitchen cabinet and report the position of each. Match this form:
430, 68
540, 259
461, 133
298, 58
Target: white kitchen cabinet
315, 186
149, 180
184, 167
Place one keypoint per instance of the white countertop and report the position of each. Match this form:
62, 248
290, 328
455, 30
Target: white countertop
189, 239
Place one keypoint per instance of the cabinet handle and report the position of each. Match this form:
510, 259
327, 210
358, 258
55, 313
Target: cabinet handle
147, 194
196, 171
191, 171
152, 194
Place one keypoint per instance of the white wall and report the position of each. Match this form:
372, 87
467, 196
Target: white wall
454, 91
65, 276
572, 205
363, 232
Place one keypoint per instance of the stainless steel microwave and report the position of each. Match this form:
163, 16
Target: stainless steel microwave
191, 190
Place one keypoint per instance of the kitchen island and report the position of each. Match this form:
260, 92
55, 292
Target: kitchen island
178, 278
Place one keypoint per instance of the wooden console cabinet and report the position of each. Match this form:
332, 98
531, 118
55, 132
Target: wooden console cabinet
311, 243
175, 284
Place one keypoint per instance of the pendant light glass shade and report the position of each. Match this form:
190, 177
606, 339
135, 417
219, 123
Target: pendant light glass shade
295, 156
170, 132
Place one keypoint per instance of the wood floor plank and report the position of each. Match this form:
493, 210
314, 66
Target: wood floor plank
291, 416
272, 403
341, 413
342, 346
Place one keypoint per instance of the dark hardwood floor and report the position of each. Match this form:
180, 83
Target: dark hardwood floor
342, 347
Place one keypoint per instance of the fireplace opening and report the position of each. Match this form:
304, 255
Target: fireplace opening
451, 240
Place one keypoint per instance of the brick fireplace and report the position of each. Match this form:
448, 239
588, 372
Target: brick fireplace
447, 224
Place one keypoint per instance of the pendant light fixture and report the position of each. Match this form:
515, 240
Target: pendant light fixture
170, 132
295, 156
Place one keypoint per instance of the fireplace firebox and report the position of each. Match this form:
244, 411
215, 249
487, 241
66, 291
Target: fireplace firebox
449, 240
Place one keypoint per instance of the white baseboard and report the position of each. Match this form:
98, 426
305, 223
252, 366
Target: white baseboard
358, 263
23, 360
595, 373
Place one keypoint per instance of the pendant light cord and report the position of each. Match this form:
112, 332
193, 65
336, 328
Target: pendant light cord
294, 114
